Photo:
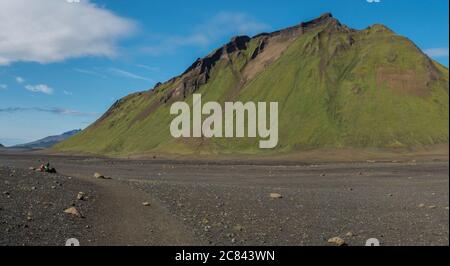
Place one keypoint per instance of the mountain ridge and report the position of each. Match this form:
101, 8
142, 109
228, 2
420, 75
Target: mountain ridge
49, 141
337, 87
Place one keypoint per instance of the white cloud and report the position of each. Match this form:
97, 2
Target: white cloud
68, 93
223, 24
53, 110
20, 80
3, 86
47, 31
373, 1
41, 88
126, 74
232, 23
148, 67
437, 52
89, 72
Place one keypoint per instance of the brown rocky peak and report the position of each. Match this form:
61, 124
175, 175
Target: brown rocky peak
237, 43
327, 17
199, 72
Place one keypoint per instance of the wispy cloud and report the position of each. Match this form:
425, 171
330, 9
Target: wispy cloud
55, 110
222, 24
373, 1
20, 80
68, 93
72, 30
437, 52
40, 88
3, 86
90, 72
148, 67
127, 74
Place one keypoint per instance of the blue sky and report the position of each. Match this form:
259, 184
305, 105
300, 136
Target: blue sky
64, 62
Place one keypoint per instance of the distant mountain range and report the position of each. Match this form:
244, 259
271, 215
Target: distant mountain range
336, 87
48, 142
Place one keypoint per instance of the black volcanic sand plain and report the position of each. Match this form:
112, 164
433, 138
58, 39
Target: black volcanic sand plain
163, 202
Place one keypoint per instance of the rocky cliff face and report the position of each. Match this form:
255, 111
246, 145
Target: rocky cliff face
198, 73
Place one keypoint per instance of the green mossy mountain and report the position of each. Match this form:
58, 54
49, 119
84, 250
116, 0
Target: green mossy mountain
336, 87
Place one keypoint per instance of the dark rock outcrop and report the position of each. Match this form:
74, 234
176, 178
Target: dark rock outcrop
199, 72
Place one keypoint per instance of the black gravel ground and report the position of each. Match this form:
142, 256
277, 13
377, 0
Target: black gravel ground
400, 203
32, 208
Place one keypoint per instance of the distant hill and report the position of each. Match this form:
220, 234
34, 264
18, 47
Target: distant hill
48, 142
337, 87
1, 146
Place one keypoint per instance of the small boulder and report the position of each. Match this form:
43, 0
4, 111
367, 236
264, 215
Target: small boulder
72, 211
276, 196
146, 204
350, 234
336, 241
81, 196
100, 176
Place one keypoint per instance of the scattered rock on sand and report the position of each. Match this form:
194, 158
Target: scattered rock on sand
146, 204
100, 176
81, 196
432, 207
72, 211
336, 241
421, 205
350, 234
276, 196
